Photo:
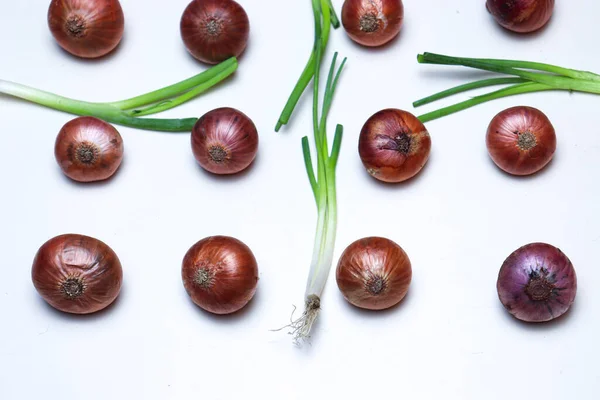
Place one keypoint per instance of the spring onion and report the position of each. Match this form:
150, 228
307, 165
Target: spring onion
520, 76
128, 112
323, 182
329, 19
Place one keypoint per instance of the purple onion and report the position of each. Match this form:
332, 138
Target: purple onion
537, 283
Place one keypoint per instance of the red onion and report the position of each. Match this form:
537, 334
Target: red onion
521, 140
537, 283
88, 149
77, 274
224, 141
372, 22
374, 273
220, 274
215, 30
521, 16
394, 145
86, 28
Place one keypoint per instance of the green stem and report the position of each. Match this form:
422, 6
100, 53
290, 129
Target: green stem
335, 148
105, 112
558, 82
222, 70
115, 112
52, 100
571, 73
309, 167
308, 72
469, 86
335, 22
528, 87
187, 96
152, 124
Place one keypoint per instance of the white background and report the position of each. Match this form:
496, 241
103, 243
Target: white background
449, 339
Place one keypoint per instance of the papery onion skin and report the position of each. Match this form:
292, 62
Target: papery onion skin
521, 140
374, 273
77, 274
537, 283
372, 23
521, 16
225, 141
87, 28
394, 145
88, 149
215, 30
220, 274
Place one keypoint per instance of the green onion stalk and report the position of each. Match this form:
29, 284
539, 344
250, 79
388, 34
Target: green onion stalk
329, 19
130, 112
520, 77
322, 178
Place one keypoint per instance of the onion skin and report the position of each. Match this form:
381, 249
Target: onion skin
220, 274
374, 273
215, 30
521, 140
88, 149
372, 23
77, 274
394, 145
87, 28
225, 141
537, 283
521, 16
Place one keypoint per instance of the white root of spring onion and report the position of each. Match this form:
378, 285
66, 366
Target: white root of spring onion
301, 327
319, 271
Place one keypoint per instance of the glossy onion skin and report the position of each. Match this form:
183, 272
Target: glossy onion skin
394, 145
88, 149
215, 30
87, 28
81, 260
507, 145
372, 23
521, 16
220, 274
374, 273
542, 270
224, 141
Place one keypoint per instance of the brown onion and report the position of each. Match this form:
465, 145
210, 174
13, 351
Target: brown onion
86, 28
77, 274
372, 22
88, 149
394, 145
215, 30
521, 140
224, 141
522, 16
220, 274
537, 283
374, 273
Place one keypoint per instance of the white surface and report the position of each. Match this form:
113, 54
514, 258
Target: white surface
449, 339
